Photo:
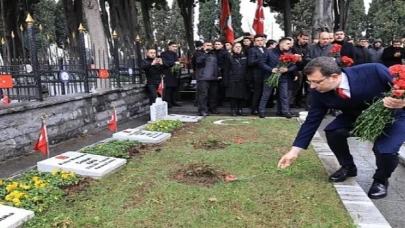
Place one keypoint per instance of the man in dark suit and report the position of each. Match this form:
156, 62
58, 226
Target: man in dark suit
350, 91
170, 80
255, 55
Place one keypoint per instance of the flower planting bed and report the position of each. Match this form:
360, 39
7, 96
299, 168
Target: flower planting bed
176, 184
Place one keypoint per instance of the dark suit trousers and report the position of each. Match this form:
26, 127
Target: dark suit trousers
152, 91
207, 93
257, 91
386, 162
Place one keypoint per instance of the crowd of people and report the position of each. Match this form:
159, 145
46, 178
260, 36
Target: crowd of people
238, 72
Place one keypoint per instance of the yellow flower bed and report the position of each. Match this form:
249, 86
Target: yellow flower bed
36, 191
164, 125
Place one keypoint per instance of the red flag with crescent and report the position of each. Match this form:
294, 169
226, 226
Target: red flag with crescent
258, 22
226, 22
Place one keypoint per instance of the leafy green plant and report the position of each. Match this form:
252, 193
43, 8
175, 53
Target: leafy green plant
36, 191
165, 125
114, 148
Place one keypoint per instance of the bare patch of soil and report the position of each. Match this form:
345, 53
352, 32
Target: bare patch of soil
199, 174
78, 186
210, 145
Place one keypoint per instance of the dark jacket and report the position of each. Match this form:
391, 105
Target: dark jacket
375, 54
207, 66
362, 55
317, 50
270, 61
388, 57
302, 50
234, 68
194, 59
153, 72
347, 49
170, 58
254, 58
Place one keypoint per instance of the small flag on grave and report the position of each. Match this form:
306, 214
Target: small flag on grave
42, 142
5, 99
160, 88
112, 124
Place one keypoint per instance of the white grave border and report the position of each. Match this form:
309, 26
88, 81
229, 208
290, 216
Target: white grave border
12, 217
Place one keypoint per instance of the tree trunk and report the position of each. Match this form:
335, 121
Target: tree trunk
97, 35
322, 18
186, 11
73, 12
287, 18
104, 19
146, 22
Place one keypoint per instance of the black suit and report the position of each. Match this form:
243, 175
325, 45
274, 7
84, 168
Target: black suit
255, 75
170, 58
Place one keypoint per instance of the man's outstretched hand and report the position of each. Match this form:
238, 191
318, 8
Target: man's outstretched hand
289, 158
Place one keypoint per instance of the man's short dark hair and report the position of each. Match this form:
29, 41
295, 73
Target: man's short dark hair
270, 42
151, 48
363, 38
303, 33
326, 65
218, 41
207, 41
397, 41
258, 36
284, 39
339, 30
171, 43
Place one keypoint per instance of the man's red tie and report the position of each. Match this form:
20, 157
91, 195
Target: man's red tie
339, 91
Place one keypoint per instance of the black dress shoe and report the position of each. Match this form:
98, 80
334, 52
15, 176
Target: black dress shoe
254, 112
261, 115
241, 113
214, 111
343, 173
233, 112
287, 115
378, 190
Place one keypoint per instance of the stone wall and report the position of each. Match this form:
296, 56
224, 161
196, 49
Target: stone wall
69, 116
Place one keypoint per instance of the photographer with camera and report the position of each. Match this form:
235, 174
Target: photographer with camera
207, 80
154, 68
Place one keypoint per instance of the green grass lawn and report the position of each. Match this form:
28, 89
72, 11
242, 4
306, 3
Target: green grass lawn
143, 194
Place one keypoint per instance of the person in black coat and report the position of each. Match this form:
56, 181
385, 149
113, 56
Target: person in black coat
170, 57
392, 55
362, 53
255, 55
234, 69
154, 68
347, 48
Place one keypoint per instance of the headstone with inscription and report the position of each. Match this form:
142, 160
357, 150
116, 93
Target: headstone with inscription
90, 165
142, 136
158, 110
184, 118
12, 217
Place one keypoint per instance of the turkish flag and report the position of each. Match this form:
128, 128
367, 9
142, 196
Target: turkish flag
258, 22
6, 100
225, 22
160, 88
112, 124
42, 142
6, 81
103, 73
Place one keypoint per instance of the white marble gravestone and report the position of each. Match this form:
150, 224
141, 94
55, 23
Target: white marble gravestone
142, 136
158, 110
95, 166
12, 217
184, 118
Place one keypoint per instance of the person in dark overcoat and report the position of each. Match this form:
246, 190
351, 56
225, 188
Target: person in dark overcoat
235, 79
170, 80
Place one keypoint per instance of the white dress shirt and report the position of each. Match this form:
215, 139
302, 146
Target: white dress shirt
344, 84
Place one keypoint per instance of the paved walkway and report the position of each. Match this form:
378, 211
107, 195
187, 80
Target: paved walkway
393, 206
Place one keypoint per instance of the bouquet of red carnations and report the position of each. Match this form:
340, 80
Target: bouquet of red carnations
181, 63
284, 61
371, 123
335, 51
346, 62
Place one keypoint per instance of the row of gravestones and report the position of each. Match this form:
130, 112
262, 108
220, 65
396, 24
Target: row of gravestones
96, 166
